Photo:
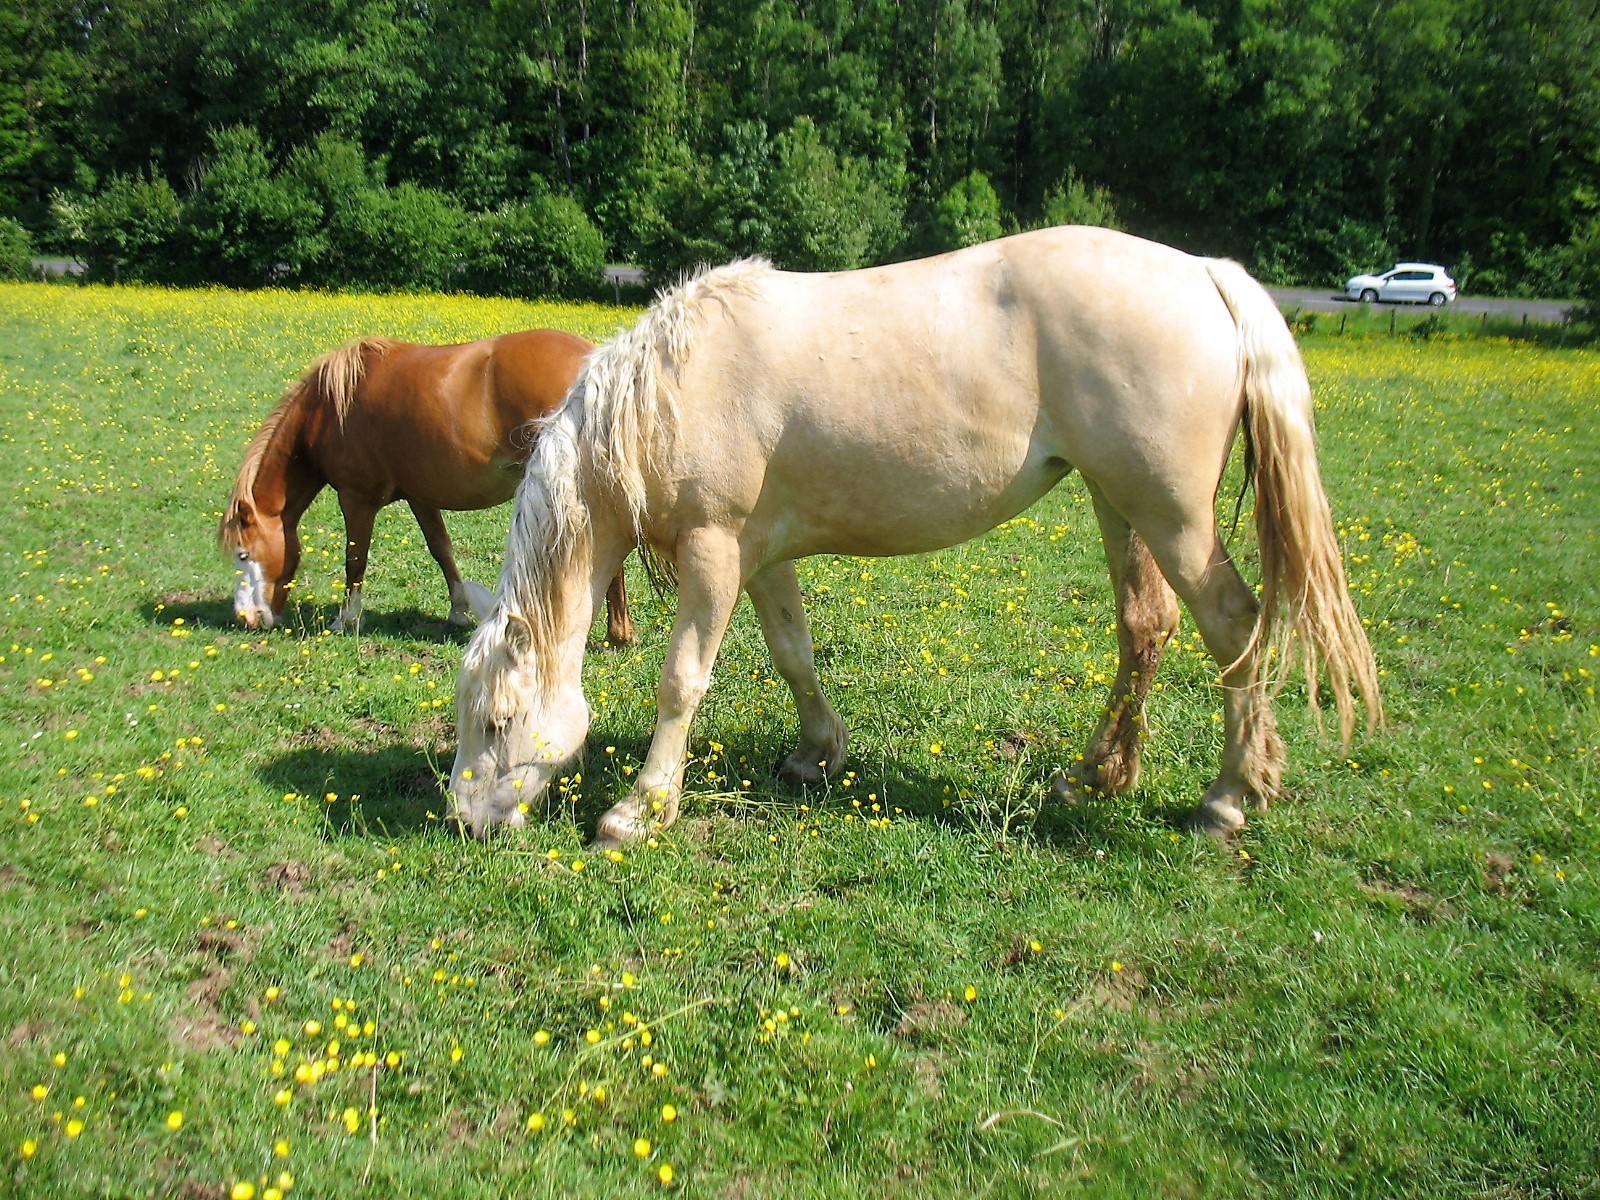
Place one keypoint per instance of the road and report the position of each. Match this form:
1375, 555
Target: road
1549, 312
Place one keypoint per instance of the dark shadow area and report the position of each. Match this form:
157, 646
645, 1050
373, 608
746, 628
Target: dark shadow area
200, 612
216, 613
396, 785
401, 792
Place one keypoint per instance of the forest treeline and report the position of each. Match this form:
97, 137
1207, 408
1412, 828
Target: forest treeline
515, 145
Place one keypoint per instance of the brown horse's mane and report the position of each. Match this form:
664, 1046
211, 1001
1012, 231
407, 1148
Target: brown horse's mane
332, 379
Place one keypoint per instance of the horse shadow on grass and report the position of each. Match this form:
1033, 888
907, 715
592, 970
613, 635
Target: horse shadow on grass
392, 791
398, 790
215, 614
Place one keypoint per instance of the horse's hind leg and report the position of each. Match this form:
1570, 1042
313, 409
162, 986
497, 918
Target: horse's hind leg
1224, 610
619, 625
431, 522
775, 593
1147, 617
359, 514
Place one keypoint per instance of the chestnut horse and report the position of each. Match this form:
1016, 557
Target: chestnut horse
440, 427
755, 416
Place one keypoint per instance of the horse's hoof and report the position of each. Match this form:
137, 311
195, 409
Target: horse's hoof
619, 829
801, 772
1215, 819
1068, 787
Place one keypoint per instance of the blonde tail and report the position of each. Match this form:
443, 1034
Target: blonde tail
1306, 611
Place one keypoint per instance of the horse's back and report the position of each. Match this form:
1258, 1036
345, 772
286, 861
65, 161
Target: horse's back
532, 370
914, 405
437, 424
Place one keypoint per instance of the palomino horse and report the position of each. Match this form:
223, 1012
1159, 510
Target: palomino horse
440, 427
754, 416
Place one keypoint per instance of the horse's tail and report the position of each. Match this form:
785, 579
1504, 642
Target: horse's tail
1306, 611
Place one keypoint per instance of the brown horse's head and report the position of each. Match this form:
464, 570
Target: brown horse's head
265, 556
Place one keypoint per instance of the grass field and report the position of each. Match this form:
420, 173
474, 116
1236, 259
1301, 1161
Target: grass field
243, 957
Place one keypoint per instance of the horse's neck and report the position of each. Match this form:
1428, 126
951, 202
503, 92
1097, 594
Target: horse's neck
288, 479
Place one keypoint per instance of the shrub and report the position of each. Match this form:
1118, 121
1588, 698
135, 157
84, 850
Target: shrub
1584, 265
543, 246
1074, 202
16, 250
248, 225
967, 214
129, 232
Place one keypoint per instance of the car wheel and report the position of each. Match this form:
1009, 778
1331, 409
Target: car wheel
1436, 299
1368, 296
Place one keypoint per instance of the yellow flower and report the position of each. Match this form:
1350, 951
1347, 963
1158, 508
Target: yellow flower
535, 1121
175, 1119
641, 1147
243, 1190
669, 1113
971, 993
665, 1173
74, 1127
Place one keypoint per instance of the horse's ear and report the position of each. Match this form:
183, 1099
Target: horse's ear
519, 634
245, 512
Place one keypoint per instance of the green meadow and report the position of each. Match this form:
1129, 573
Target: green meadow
245, 957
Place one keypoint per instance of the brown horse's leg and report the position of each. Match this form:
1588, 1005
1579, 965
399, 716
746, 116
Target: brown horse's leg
1147, 617
775, 593
431, 522
359, 514
619, 625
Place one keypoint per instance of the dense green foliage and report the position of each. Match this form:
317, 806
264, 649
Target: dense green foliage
357, 142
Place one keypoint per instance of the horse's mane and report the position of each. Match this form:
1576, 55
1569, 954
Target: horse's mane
618, 419
333, 377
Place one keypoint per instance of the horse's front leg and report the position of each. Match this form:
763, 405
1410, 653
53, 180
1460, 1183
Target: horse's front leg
708, 562
359, 514
775, 593
1147, 617
431, 522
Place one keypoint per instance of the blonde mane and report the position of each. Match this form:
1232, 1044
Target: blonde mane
334, 377
618, 421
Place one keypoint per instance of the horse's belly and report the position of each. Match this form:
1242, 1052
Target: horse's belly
879, 508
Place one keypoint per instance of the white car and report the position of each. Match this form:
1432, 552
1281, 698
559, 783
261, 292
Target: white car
1415, 282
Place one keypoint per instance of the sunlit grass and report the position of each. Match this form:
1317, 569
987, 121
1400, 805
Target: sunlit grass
243, 956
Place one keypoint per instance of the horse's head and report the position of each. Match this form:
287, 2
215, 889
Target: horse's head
263, 561
516, 725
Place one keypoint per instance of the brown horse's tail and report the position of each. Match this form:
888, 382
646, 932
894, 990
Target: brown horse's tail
1306, 611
